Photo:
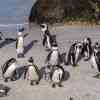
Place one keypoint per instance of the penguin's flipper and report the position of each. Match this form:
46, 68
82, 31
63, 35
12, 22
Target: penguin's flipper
44, 40
16, 43
25, 35
25, 72
48, 57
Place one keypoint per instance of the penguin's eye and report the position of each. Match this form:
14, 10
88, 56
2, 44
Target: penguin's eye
80, 46
42, 26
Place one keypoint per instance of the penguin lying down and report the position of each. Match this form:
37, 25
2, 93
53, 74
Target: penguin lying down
4, 90
9, 69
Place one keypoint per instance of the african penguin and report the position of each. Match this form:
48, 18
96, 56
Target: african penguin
32, 72
74, 54
48, 39
54, 56
87, 48
95, 58
57, 75
20, 44
9, 70
46, 73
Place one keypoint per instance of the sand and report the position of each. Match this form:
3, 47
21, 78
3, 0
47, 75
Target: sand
80, 83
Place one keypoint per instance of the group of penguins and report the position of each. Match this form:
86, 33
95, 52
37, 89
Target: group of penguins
54, 70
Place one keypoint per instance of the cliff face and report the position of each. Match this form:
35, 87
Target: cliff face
47, 10
56, 10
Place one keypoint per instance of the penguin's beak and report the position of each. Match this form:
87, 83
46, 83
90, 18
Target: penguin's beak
42, 26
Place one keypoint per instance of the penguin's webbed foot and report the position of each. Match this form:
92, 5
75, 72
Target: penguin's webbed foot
97, 76
60, 85
67, 63
32, 83
6, 80
74, 65
13, 79
37, 82
53, 85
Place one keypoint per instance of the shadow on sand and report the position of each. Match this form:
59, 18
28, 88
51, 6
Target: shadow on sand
29, 46
7, 41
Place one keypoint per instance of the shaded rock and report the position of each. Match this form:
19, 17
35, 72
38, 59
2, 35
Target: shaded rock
56, 10
47, 11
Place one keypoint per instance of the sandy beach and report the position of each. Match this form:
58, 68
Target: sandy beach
80, 83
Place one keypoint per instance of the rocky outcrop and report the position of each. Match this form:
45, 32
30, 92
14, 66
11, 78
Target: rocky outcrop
56, 10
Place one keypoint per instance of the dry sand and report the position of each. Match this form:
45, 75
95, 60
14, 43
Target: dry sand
80, 84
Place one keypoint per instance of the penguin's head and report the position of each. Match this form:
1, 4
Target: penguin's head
87, 41
19, 33
96, 48
31, 60
44, 27
97, 45
21, 29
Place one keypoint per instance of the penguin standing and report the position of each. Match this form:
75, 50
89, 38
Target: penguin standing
75, 54
95, 58
32, 72
48, 39
57, 76
20, 44
9, 69
54, 57
87, 48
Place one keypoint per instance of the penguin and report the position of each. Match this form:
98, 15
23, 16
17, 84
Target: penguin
87, 48
20, 44
46, 73
57, 76
95, 58
32, 72
9, 69
54, 56
74, 54
48, 39
4, 90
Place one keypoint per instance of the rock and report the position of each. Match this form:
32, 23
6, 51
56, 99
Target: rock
47, 11
53, 11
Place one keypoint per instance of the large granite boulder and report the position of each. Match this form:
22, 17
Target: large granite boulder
56, 10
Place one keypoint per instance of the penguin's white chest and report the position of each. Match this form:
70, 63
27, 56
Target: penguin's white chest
54, 58
32, 74
20, 45
77, 55
48, 42
93, 62
57, 76
10, 70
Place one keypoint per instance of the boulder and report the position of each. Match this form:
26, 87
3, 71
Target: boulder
53, 11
